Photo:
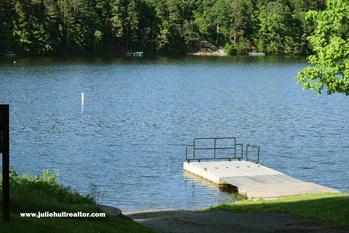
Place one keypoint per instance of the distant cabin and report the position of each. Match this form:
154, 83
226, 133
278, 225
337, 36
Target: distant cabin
135, 54
8, 54
255, 54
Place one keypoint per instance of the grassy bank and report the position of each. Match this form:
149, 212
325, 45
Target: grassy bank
43, 193
328, 208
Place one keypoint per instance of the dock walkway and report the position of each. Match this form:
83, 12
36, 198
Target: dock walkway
250, 179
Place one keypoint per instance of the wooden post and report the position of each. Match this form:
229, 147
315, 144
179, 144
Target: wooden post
5, 150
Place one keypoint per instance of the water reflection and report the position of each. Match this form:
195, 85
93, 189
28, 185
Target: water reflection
210, 185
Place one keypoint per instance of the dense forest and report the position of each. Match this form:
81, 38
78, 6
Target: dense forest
165, 27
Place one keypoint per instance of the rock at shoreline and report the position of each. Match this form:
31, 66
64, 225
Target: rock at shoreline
218, 53
208, 49
111, 211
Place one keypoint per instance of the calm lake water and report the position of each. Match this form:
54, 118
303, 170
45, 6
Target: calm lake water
128, 141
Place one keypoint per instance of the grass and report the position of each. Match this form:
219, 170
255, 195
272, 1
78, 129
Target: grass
44, 193
329, 208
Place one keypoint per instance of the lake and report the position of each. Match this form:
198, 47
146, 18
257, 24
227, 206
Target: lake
126, 145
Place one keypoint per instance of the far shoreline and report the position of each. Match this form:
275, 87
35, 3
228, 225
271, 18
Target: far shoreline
108, 57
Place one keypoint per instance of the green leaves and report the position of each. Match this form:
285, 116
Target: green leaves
117, 20
274, 29
329, 65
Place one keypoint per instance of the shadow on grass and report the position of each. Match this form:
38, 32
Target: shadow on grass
328, 208
31, 194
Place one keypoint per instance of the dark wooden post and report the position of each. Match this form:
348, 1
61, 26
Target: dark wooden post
5, 150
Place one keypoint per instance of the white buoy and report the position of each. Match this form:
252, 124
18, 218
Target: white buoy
14, 62
82, 99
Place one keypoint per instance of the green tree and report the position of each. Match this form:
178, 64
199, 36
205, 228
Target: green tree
171, 38
7, 14
203, 18
117, 20
98, 37
241, 20
132, 20
29, 27
301, 30
21, 30
190, 34
274, 26
329, 69
149, 28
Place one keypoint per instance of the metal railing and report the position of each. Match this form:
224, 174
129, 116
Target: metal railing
252, 147
233, 148
213, 146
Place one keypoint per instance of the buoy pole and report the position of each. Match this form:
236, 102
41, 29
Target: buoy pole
82, 99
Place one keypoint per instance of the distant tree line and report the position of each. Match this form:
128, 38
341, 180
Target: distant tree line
166, 27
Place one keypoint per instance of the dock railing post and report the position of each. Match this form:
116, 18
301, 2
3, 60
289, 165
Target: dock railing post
186, 153
234, 147
252, 146
214, 147
5, 151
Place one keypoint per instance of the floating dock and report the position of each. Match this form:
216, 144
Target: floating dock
248, 178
